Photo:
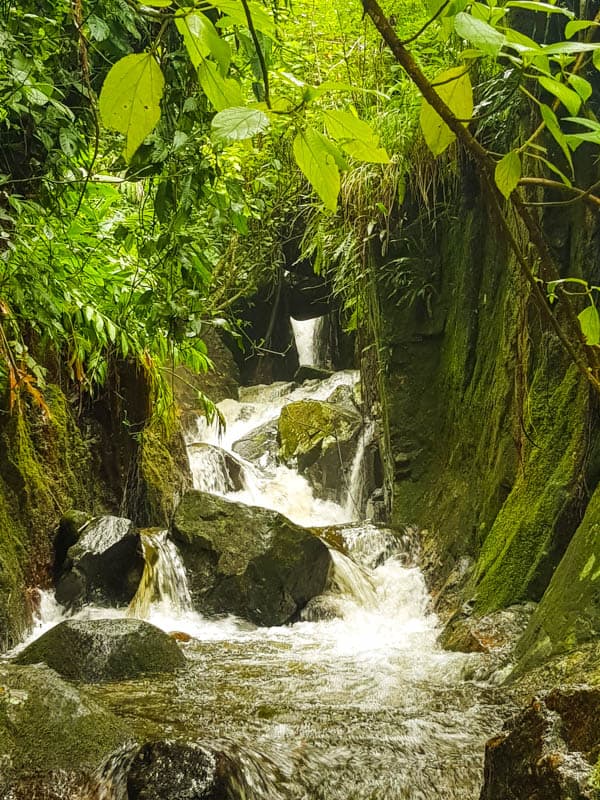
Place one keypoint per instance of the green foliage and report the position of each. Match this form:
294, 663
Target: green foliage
454, 88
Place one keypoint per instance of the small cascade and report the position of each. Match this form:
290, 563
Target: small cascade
357, 482
214, 469
351, 580
164, 581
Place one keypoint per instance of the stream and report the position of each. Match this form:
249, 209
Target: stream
356, 701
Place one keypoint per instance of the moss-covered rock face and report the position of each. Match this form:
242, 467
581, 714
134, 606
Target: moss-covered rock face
569, 613
101, 650
47, 724
248, 561
45, 468
489, 422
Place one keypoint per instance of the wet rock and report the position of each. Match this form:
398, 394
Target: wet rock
548, 751
48, 725
265, 392
182, 770
322, 439
104, 565
247, 561
260, 445
69, 530
494, 632
305, 372
101, 650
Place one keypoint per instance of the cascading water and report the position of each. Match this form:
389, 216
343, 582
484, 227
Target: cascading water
356, 701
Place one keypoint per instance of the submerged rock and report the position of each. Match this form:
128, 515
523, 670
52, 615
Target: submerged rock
548, 751
496, 632
47, 727
104, 565
100, 650
248, 561
182, 770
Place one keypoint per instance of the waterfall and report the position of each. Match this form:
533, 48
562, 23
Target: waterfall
164, 581
307, 334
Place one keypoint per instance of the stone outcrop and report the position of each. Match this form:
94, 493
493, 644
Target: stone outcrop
104, 565
95, 651
247, 561
547, 751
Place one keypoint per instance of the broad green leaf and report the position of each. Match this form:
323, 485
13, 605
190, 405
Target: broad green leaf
343, 125
592, 124
201, 39
487, 14
508, 173
315, 156
570, 99
235, 11
576, 25
553, 126
534, 5
239, 123
590, 325
222, 92
363, 151
596, 58
130, 98
157, 3
568, 48
454, 88
98, 28
479, 33
582, 86
356, 136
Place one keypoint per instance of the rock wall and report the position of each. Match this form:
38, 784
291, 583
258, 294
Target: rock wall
493, 432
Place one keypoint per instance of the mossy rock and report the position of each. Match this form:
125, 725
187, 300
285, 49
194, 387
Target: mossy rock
47, 724
95, 651
304, 426
248, 561
569, 612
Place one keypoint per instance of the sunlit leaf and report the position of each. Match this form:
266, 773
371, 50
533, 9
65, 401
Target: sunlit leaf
508, 173
570, 99
130, 99
454, 88
202, 39
590, 324
239, 123
315, 155
222, 92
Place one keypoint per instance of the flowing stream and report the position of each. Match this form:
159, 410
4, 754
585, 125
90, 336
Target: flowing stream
354, 702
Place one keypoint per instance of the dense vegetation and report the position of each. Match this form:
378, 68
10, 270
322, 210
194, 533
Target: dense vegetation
153, 160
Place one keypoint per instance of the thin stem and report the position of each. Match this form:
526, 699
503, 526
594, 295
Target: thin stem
259, 52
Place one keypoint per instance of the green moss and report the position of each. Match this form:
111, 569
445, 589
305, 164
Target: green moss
534, 525
569, 613
305, 425
164, 474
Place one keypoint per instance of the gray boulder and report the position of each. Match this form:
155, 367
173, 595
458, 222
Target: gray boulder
260, 445
101, 650
248, 561
104, 564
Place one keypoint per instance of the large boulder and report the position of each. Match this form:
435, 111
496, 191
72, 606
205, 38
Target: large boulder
548, 751
47, 725
105, 564
100, 650
322, 438
248, 561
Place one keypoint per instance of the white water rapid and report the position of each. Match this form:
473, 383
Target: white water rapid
354, 702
